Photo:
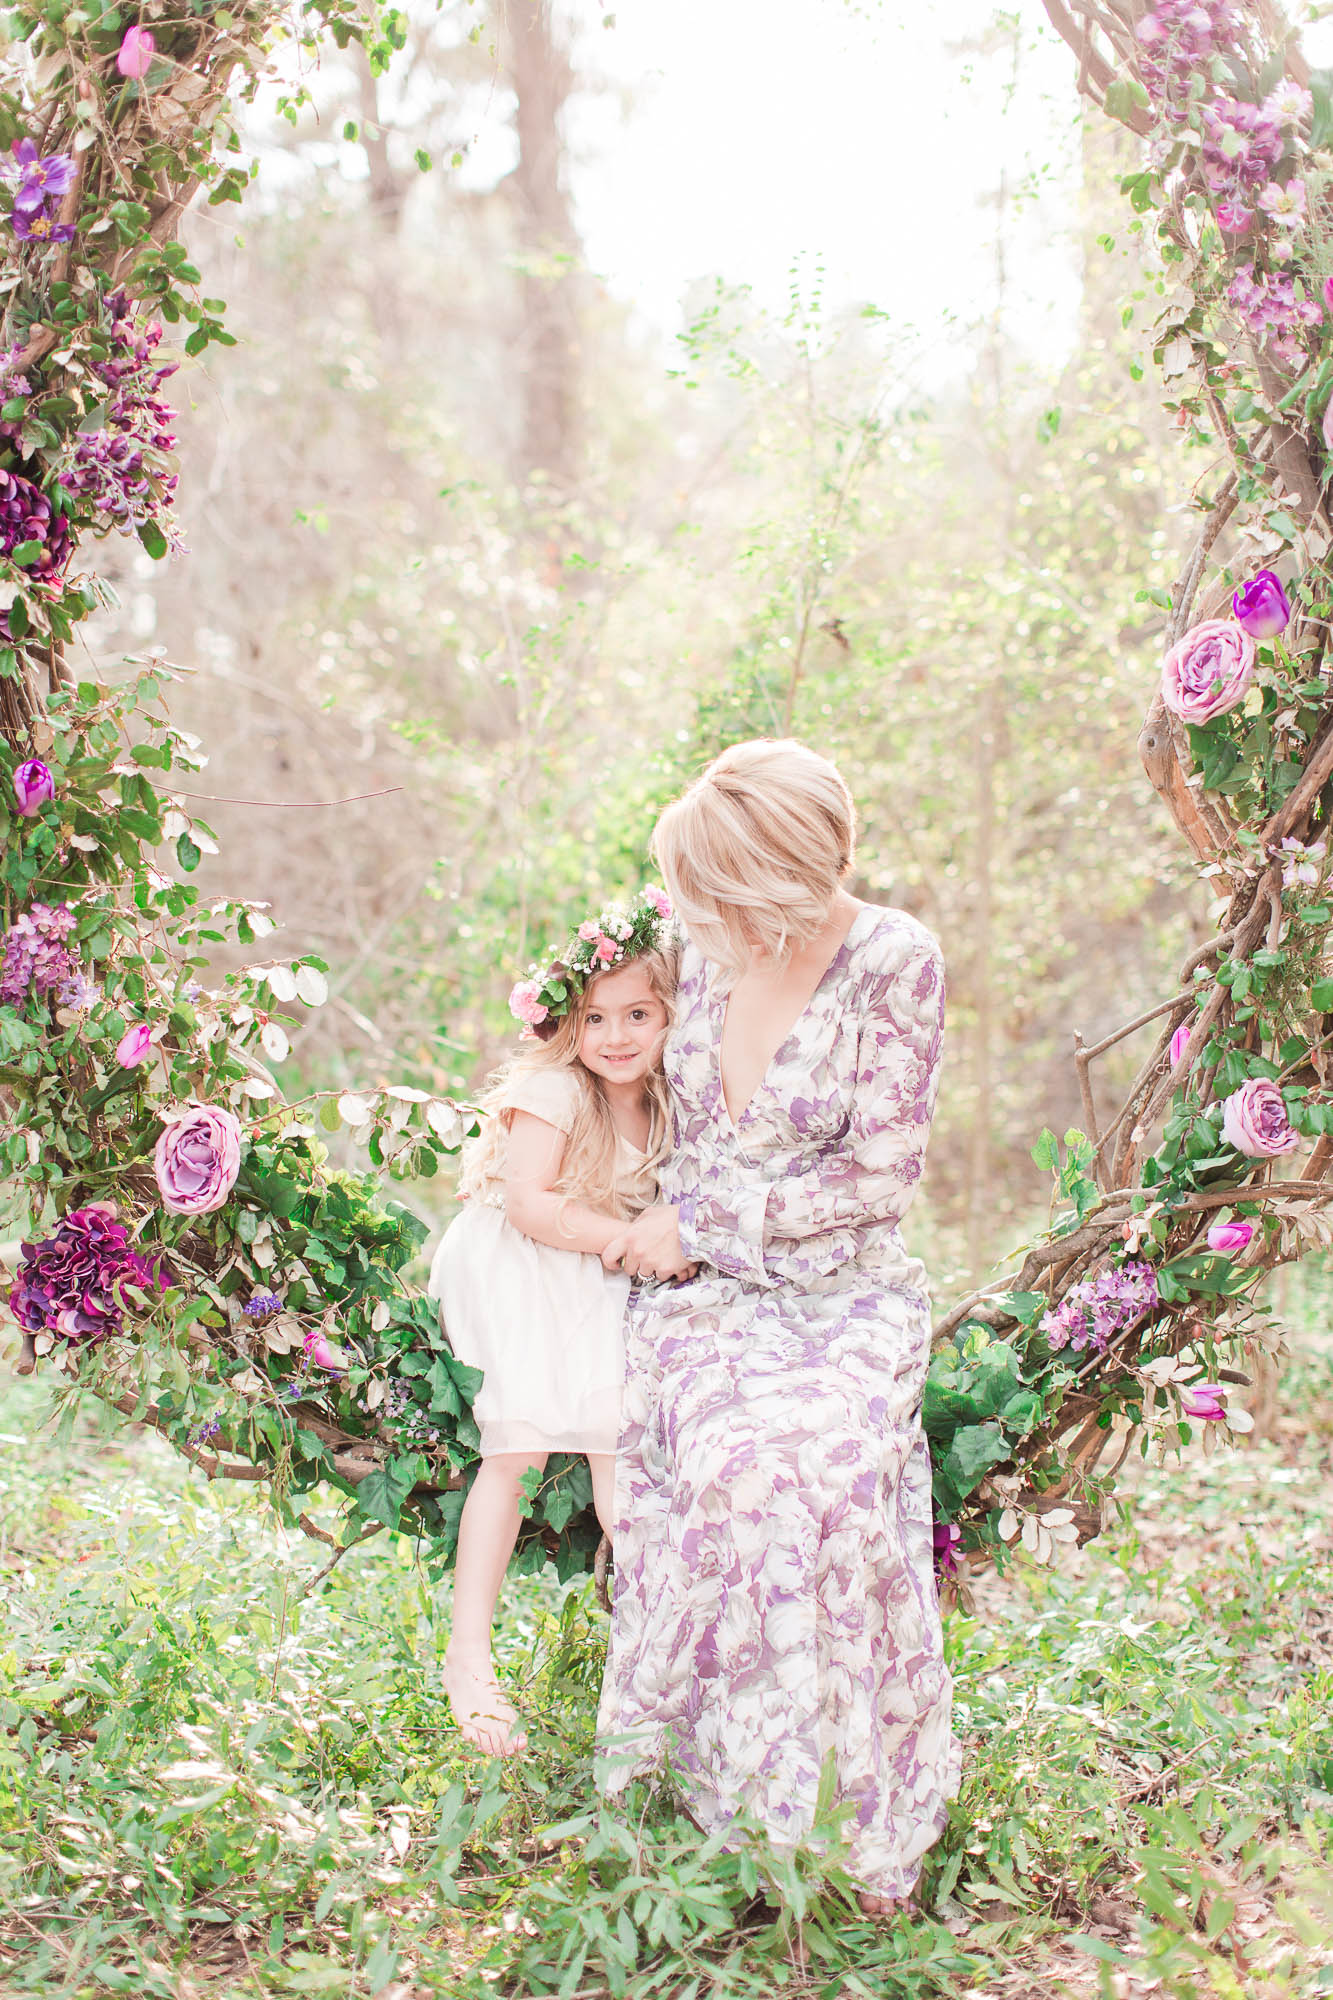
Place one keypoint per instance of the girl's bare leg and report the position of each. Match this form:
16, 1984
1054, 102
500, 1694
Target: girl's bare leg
602, 1465
486, 1536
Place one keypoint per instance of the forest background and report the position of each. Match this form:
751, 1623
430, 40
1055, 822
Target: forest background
465, 525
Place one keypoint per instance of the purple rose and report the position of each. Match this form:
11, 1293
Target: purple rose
134, 1045
1229, 1238
1261, 606
33, 786
1255, 1122
1208, 671
135, 57
1180, 1041
70, 1284
197, 1160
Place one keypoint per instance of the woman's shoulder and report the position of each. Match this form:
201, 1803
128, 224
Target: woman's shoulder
893, 943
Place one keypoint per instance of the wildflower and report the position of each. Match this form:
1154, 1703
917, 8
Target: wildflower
1286, 205
37, 956
1303, 864
1095, 1310
40, 180
260, 1304
1206, 1402
27, 515
41, 228
946, 1540
205, 1432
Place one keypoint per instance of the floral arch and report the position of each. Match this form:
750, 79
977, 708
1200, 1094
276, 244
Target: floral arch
191, 1257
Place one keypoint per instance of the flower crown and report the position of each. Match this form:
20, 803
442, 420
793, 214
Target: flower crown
612, 937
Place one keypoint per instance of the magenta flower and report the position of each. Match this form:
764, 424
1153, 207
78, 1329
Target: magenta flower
524, 1004
134, 1045
318, 1350
135, 57
1261, 606
1206, 1402
946, 1540
27, 515
1255, 1122
1208, 671
1229, 1238
197, 1159
1180, 1041
1328, 293
33, 787
70, 1284
1233, 218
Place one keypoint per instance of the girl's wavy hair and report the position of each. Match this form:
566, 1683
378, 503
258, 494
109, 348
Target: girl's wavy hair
588, 1171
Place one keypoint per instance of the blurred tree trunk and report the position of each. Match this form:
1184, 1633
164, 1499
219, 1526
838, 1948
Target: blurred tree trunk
387, 187
542, 76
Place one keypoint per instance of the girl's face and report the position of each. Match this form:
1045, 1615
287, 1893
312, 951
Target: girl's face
623, 1027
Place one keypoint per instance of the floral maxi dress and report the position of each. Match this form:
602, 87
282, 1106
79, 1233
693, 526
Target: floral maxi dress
775, 1603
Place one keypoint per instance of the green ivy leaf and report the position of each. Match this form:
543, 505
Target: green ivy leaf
188, 854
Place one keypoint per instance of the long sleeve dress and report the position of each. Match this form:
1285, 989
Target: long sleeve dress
775, 1604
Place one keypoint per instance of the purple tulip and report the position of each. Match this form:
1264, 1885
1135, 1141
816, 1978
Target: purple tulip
136, 53
1180, 1041
1206, 1402
1261, 606
1255, 1122
134, 1045
1229, 1238
33, 787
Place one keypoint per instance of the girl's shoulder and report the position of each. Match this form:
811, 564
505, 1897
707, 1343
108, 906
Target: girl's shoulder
554, 1095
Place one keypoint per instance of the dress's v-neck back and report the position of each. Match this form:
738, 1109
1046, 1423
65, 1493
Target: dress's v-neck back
720, 1002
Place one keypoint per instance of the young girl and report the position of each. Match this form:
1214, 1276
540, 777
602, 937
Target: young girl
577, 1122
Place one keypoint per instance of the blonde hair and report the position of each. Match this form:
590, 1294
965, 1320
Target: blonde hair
588, 1168
752, 854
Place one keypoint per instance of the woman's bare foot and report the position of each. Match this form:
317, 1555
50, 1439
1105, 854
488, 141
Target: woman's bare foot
481, 1708
881, 1906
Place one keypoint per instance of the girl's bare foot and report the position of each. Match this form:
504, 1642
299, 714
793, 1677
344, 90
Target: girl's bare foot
481, 1708
882, 1906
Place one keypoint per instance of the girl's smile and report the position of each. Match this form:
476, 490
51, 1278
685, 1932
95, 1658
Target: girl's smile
622, 1032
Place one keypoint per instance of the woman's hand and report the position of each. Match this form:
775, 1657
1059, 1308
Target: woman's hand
649, 1247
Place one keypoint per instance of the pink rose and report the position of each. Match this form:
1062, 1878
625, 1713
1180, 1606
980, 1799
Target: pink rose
660, 901
134, 1045
197, 1160
1255, 1122
1207, 672
1229, 1238
524, 1004
1205, 1401
1180, 1041
589, 931
137, 50
605, 949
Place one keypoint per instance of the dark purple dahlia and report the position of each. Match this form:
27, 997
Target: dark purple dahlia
26, 515
70, 1284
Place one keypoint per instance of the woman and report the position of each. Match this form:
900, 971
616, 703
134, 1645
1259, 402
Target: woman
775, 1606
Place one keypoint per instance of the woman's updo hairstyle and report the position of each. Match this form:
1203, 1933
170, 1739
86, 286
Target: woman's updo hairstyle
753, 853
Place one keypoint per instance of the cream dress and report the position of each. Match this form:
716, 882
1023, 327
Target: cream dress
545, 1326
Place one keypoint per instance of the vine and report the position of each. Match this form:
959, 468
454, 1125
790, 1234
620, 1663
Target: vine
193, 1257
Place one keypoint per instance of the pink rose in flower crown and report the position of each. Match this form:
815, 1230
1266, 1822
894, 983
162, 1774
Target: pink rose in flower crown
525, 1005
197, 1160
659, 899
1229, 1238
1180, 1041
605, 949
589, 931
1255, 1122
1208, 671
134, 1045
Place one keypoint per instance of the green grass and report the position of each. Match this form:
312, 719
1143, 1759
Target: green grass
212, 1782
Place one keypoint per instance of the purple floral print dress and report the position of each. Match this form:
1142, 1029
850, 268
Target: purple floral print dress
775, 1604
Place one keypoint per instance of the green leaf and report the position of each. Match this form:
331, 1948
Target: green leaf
188, 854
381, 1494
1046, 1152
153, 539
1321, 996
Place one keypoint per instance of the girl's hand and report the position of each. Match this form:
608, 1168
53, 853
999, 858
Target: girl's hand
649, 1247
